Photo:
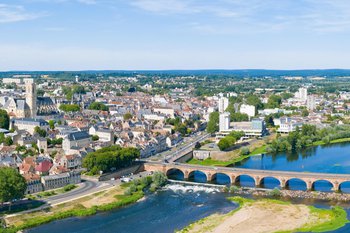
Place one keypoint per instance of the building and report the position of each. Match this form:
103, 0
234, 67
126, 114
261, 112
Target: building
287, 124
247, 109
251, 129
34, 184
222, 104
31, 96
12, 80
79, 139
301, 94
224, 121
29, 124
104, 135
60, 180
311, 103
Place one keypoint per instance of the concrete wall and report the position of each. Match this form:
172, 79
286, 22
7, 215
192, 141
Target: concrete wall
185, 158
121, 172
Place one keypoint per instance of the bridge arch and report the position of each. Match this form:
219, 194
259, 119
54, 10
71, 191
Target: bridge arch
175, 173
221, 178
245, 180
270, 182
198, 176
322, 185
344, 187
296, 184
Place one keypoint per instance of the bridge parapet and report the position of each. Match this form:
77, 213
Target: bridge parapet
258, 175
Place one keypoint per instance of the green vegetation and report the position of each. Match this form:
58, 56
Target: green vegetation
65, 189
40, 131
54, 142
98, 106
308, 135
229, 141
69, 107
70, 91
213, 123
109, 158
140, 185
127, 116
52, 124
4, 119
12, 185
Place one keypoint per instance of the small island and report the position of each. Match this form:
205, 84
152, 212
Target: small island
262, 215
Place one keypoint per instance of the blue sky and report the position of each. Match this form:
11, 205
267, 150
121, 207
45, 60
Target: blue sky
174, 34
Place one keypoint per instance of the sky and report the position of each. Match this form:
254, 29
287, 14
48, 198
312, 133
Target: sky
174, 34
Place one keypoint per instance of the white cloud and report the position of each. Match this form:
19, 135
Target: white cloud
16, 13
88, 2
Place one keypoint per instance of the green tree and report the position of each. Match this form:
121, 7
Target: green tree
274, 101
213, 124
69, 107
226, 142
255, 101
95, 137
4, 119
52, 124
8, 141
12, 184
269, 121
304, 112
98, 106
127, 116
40, 131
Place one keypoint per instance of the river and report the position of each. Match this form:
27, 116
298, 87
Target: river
177, 206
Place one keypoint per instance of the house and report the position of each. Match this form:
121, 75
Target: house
43, 167
104, 135
29, 124
34, 184
60, 180
76, 140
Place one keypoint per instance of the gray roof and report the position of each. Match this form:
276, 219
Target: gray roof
31, 121
79, 135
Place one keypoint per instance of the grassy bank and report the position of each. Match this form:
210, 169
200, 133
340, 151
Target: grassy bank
116, 197
212, 162
319, 220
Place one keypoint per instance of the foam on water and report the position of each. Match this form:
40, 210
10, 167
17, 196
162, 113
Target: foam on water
190, 188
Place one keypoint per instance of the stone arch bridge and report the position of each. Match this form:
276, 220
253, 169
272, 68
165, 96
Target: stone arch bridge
258, 175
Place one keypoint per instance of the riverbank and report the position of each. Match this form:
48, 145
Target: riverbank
113, 198
254, 152
262, 215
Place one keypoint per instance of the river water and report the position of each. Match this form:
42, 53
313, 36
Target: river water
173, 208
177, 206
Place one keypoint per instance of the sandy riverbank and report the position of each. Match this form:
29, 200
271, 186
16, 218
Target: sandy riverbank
266, 216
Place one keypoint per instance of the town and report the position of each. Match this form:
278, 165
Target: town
91, 132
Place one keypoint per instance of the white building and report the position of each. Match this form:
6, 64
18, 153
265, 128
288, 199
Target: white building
222, 104
224, 121
311, 103
247, 109
301, 94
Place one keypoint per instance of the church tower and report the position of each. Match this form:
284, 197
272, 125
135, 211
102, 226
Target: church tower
31, 96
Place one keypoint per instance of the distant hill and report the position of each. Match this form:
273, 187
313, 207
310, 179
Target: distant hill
241, 73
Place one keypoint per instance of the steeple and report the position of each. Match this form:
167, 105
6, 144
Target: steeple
31, 96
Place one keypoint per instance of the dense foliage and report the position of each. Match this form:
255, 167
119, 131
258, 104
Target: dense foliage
109, 158
306, 136
98, 106
230, 140
213, 124
69, 107
4, 119
12, 184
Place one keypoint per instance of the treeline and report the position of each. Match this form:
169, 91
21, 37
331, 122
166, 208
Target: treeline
110, 158
306, 136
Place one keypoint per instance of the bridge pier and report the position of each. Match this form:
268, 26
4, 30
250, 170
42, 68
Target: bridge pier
336, 186
283, 183
209, 177
186, 174
257, 180
309, 185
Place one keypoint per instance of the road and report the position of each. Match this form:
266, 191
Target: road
180, 149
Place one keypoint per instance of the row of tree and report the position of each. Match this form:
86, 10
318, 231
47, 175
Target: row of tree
110, 158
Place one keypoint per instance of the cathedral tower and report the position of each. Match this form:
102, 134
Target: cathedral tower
31, 96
